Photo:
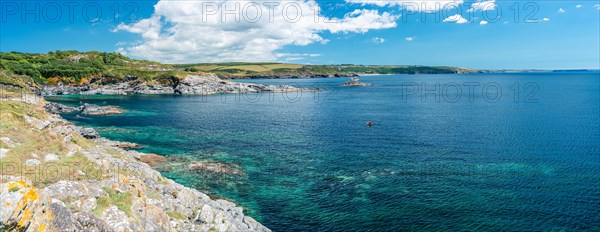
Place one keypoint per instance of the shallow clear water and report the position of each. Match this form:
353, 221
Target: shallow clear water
526, 161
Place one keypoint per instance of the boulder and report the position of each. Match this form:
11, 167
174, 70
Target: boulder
38, 124
32, 162
51, 157
57, 108
86, 132
8, 142
3, 152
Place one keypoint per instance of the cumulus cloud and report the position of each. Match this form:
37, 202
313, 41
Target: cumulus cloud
425, 6
410, 39
378, 40
483, 22
597, 6
483, 6
578, 6
456, 19
561, 10
295, 56
209, 31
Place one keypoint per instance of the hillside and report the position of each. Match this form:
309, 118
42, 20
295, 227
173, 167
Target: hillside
60, 177
78, 68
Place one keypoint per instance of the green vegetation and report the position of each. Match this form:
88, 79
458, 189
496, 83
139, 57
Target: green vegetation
74, 67
122, 201
251, 70
34, 144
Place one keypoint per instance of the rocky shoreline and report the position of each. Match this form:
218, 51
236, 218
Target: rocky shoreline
107, 189
190, 85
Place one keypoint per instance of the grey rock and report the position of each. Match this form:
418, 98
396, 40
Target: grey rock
117, 220
8, 142
51, 157
36, 123
63, 219
3, 152
57, 108
355, 81
91, 109
91, 223
65, 190
32, 162
86, 132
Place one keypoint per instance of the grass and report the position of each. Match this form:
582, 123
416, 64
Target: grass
32, 143
122, 201
176, 215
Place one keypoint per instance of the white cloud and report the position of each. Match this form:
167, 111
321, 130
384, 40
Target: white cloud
483, 22
200, 31
578, 6
294, 56
537, 20
483, 6
561, 10
410, 39
378, 40
597, 6
121, 51
456, 19
422, 5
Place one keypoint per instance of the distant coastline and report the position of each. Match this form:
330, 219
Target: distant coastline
93, 72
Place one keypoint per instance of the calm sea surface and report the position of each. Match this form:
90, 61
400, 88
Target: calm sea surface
476, 152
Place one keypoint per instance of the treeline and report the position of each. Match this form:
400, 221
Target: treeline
69, 66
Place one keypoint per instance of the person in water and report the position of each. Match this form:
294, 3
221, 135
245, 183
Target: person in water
369, 123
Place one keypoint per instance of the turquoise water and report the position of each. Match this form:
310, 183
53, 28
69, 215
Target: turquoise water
526, 161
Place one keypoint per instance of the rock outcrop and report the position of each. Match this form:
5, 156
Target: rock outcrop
108, 189
57, 108
91, 109
85, 109
354, 81
190, 85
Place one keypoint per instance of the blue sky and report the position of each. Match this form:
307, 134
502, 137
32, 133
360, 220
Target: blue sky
542, 35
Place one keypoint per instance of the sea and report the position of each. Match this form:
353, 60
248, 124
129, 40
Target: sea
474, 152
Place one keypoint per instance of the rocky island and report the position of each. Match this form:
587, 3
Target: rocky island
354, 81
60, 177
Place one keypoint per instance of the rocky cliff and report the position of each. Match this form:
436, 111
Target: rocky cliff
190, 85
55, 179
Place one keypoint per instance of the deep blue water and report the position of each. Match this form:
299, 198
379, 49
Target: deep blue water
493, 161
